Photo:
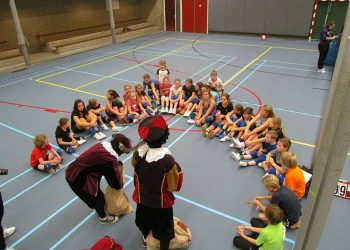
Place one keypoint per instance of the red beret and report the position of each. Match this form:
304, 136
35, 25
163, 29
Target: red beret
152, 128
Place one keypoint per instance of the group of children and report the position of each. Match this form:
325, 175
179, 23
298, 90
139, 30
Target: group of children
257, 140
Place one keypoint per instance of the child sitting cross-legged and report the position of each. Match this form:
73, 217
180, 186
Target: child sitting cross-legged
256, 157
270, 237
44, 157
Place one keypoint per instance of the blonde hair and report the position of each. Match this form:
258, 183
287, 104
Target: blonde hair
277, 121
271, 180
92, 102
273, 134
39, 140
126, 86
289, 159
269, 110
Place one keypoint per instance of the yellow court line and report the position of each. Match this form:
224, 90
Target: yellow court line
247, 66
243, 44
72, 89
133, 67
102, 59
308, 145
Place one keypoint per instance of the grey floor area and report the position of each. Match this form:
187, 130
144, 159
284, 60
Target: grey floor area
212, 201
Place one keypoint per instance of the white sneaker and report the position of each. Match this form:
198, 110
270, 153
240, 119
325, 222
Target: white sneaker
187, 113
81, 141
97, 136
166, 110
225, 138
191, 121
162, 110
232, 145
116, 129
240, 145
8, 231
260, 164
243, 164
236, 156
135, 121
102, 135
170, 111
323, 70
235, 141
104, 127
174, 111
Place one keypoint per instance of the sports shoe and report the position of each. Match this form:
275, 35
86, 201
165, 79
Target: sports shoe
51, 171
211, 134
243, 164
235, 141
135, 121
166, 110
104, 126
323, 70
97, 136
191, 121
59, 167
170, 111
260, 165
240, 145
187, 113
102, 135
174, 111
144, 242
116, 129
8, 231
232, 145
109, 219
162, 110
204, 131
81, 141
236, 156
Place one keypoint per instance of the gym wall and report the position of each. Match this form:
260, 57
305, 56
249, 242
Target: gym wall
48, 16
277, 17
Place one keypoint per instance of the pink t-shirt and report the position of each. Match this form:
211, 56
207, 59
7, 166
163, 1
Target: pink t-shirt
134, 105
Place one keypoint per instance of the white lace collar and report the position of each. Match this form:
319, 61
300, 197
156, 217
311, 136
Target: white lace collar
153, 154
108, 146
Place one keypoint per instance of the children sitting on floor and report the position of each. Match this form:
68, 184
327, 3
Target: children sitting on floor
268, 238
175, 96
44, 157
115, 110
145, 100
164, 94
64, 137
256, 157
136, 112
215, 83
152, 86
206, 110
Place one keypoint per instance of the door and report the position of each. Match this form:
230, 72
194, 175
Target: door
195, 16
170, 15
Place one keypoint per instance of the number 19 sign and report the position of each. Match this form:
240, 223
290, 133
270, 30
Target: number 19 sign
343, 189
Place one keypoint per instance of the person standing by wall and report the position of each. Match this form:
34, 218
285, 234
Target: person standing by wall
326, 36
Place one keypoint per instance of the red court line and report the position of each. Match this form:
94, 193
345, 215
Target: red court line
50, 110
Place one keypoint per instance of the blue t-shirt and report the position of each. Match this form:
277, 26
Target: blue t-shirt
148, 85
269, 147
323, 35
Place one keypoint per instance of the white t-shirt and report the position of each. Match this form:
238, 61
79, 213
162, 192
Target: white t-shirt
217, 85
174, 91
161, 74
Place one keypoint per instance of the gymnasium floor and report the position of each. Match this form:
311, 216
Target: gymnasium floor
279, 72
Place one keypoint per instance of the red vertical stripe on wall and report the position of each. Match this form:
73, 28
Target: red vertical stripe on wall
188, 8
201, 16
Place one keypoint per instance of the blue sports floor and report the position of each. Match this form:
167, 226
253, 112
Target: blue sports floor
280, 72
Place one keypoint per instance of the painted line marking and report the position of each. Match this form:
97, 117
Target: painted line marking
134, 66
247, 66
245, 44
104, 58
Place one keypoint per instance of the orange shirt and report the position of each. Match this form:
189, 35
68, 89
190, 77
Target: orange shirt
295, 181
38, 153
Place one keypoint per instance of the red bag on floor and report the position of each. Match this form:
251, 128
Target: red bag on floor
106, 243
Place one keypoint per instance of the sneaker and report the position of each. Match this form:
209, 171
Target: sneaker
8, 231
59, 167
323, 70
162, 110
211, 134
235, 141
104, 127
135, 121
187, 113
109, 219
102, 135
191, 121
166, 110
236, 156
174, 111
243, 164
116, 129
52, 171
204, 131
170, 111
240, 145
260, 165
97, 136
81, 141
232, 145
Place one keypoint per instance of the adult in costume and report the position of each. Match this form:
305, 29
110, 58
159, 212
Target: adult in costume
156, 176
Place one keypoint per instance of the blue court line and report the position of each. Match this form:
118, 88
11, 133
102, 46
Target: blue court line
281, 109
233, 58
220, 213
283, 62
46, 71
290, 68
246, 78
